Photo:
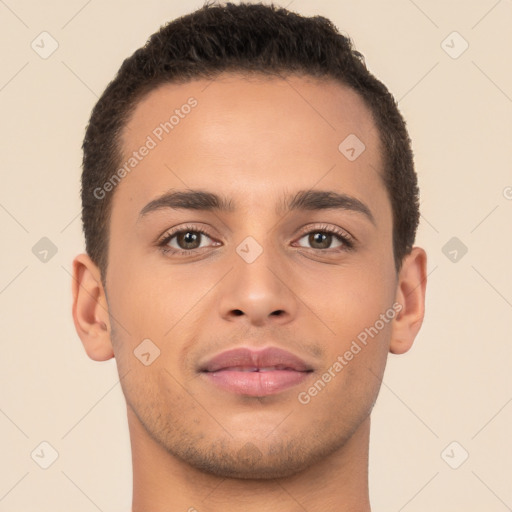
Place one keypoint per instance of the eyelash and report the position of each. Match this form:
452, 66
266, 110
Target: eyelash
346, 239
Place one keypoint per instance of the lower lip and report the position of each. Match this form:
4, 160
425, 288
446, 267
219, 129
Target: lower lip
256, 383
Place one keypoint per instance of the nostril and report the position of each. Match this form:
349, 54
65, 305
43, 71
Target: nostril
237, 312
278, 312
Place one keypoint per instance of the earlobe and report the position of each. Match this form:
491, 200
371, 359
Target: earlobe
90, 309
410, 295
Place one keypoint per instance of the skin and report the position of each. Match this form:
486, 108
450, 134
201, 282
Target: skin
253, 140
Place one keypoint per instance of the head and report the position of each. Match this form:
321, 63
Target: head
275, 119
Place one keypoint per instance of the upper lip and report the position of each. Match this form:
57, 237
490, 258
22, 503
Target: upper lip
255, 359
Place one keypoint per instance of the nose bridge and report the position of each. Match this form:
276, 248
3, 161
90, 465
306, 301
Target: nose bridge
256, 288
253, 264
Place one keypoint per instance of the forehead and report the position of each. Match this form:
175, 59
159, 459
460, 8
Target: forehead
246, 136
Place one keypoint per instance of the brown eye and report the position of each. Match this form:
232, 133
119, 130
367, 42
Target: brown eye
322, 239
185, 240
189, 239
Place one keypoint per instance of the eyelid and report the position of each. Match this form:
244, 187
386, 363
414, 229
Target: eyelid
169, 233
329, 229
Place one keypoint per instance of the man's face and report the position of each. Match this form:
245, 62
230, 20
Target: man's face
262, 276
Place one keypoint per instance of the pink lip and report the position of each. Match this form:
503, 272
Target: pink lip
256, 373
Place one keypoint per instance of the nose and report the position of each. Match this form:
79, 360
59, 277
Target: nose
258, 292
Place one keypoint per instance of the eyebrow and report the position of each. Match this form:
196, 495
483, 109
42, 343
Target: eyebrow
302, 200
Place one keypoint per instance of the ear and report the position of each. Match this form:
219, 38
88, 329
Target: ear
412, 282
90, 309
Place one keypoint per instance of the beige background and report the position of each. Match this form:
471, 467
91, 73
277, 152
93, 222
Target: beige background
454, 385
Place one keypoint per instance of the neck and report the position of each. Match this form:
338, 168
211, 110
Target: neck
162, 482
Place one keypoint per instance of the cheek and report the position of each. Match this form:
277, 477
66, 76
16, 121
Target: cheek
353, 299
157, 304
344, 391
140, 299
357, 308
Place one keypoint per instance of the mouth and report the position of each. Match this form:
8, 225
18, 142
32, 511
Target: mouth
256, 368
254, 373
